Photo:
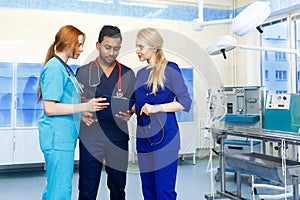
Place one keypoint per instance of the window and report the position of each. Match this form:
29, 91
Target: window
266, 75
281, 75
275, 65
297, 44
280, 56
188, 75
266, 55
281, 91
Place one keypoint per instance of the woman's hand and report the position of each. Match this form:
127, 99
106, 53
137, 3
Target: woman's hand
96, 104
149, 109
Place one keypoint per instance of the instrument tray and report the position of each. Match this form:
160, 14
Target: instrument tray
264, 166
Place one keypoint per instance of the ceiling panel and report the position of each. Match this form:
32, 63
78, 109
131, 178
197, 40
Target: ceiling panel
207, 3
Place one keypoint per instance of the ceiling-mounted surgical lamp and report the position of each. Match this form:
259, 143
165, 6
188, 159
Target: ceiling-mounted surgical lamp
226, 43
251, 17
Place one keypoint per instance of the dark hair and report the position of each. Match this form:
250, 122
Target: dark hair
110, 31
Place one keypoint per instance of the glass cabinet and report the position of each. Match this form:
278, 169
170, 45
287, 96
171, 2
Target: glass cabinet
6, 90
19, 105
28, 107
20, 111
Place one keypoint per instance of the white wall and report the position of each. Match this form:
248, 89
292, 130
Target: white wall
27, 34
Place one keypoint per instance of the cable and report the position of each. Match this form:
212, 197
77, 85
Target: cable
217, 112
283, 163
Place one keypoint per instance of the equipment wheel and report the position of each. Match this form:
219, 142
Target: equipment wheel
218, 177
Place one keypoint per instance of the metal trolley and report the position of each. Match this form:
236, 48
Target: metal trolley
262, 165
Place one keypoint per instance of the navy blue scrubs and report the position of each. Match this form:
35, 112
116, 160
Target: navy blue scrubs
104, 141
158, 138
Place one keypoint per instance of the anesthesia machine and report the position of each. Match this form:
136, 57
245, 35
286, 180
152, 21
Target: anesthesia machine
244, 109
282, 112
243, 106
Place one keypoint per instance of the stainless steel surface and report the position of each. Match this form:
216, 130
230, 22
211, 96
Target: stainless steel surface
264, 166
220, 135
257, 133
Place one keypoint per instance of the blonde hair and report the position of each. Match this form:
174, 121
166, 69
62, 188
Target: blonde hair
157, 75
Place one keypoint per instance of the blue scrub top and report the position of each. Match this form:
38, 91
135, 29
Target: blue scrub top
57, 82
150, 128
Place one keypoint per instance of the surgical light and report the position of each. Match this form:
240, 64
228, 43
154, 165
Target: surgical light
226, 43
251, 17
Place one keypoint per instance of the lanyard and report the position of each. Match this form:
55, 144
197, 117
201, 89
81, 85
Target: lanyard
119, 92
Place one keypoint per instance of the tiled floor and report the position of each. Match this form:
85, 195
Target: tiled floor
192, 183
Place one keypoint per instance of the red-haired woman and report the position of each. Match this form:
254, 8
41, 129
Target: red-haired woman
59, 124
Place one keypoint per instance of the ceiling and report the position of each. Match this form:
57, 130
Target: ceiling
214, 3
218, 4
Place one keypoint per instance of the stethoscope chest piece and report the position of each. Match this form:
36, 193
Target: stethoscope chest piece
119, 93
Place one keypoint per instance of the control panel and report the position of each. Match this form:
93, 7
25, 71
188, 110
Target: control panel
242, 100
278, 101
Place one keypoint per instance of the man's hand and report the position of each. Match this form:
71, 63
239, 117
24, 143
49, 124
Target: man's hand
125, 115
88, 118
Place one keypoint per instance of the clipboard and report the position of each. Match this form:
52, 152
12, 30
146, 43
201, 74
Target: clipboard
116, 105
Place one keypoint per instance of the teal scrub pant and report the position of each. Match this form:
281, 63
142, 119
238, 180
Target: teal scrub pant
59, 174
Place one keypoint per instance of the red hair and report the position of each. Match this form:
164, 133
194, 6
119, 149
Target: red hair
66, 37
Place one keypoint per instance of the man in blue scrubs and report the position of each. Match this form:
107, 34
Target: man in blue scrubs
104, 135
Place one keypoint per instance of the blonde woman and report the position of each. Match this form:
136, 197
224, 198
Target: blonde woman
160, 92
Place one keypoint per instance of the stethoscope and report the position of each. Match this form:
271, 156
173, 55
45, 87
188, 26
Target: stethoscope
71, 75
77, 86
146, 129
119, 92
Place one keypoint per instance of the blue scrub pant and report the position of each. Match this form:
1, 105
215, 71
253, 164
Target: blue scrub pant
158, 171
59, 174
90, 167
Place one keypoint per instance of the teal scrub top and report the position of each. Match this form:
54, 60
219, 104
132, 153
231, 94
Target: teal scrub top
58, 83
